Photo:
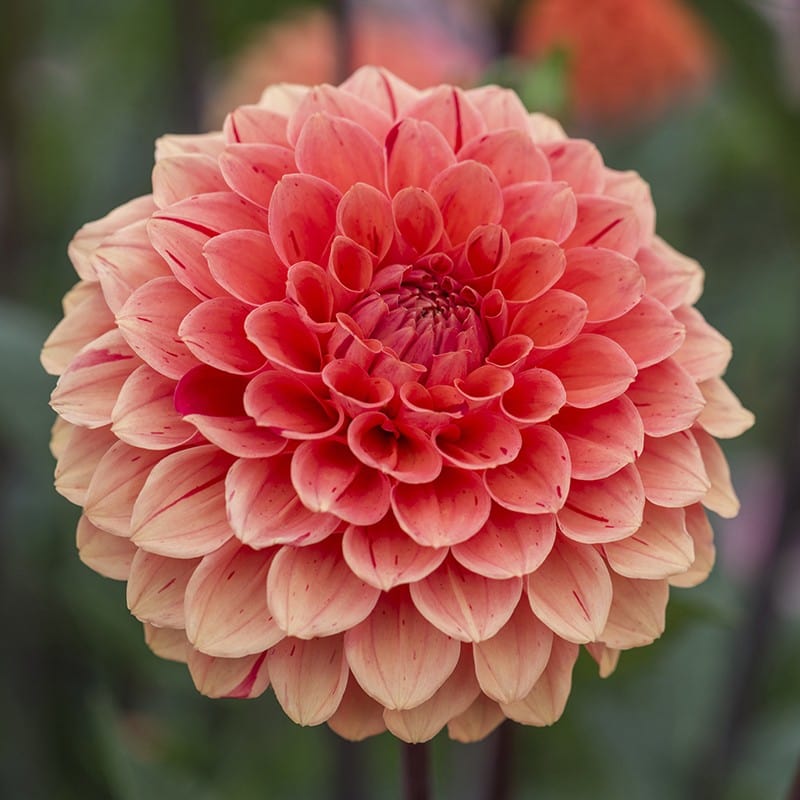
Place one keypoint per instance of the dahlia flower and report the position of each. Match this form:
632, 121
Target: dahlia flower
392, 400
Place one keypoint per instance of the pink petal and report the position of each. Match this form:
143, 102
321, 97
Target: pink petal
593, 370
637, 613
648, 333
103, 552
479, 440
302, 218
446, 511
351, 266
468, 195
571, 591
144, 414
226, 603
180, 511
451, 111
552, 320
416, 152
535, 397
705, 352
381, 88
310, 287
721, 497
672, 470
546, 702
364, 215
312, 593
578, 162
666, 397
418, 219
603, 439
723, 415
354, 388
464, 605
604, 510
228, 677
609, 282
172, 144
358, 715
660, 548
253, 170
500, 108
510, 155
477, 722
672, 278
606, 657
255, 123
180, 176
509, 664
403, 452
167, 643
87, 391
454, 696
156, 588
284, 338
308, 677
630, 187
264, 509
605, 222
537, 481
510, 352
149, 321
704, 552
398, 657
329, 478
245, 264
487, 248
533, 266
508, 545
544, 129
80, 454
544, 209
115, 485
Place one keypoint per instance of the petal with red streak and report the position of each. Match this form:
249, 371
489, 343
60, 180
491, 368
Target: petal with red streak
228, 677
672, 470
605, 222
253, 170
156, 588
544, 209
510, 155
533, 266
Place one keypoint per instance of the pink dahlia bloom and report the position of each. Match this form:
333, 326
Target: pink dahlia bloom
391, 399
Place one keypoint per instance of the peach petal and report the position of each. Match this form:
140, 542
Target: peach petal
477, 722
468, 195
533, 266
606, 657
401, 451
637, 615
660, 548
308, 677
264, 509
630, 187
80, 453
283, 337
537, 481
721, 497
546, 701
723, 415
364, 215
156, 588
60, 434
672, 278
648, 333
397, 656
509, 664
302, 217
384, 556
167, 643
115, 485
253, 170
417, 218
543, 209
228, 677
510, 155
311, 591
88, 389
180, 176
704, 552
172, 144
149, 321
604, 510
605, 222
508, 545
358, 716
238, 436
144, 414
536, 396
499, 107
705, 352
329, 478
226, 603
672, 470
578, 162
257, 124
571, 592
103, 552
450, 110
464, 605
444, 512
603, 439
416, 152
180, 511
245, 264
593, 370
454, 697
354, 388
609, 282
551, 321
214, 332
479, 440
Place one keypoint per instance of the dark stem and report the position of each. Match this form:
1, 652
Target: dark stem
416, 771
794, 792
499, 782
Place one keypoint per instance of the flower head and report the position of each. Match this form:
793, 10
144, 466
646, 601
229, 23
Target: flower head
391, 399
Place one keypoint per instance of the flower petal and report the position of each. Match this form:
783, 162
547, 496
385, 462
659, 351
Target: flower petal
510, 155
167, 643
723, 415
477, 722
358, 715
544, 209
451, 111
253, 170
364, 215
552, 320
672, 470
156, 588
721, 497
704, 552
578, 162
416, 152
705, 352
533, 266
535, 397
229, 677
284, 338
103, 552
637, 615
80, 454
605, 222
480, 440
180, 176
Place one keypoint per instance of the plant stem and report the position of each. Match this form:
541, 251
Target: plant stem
499, 782
416, 771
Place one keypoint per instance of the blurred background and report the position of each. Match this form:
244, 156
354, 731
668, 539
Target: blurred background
702, 98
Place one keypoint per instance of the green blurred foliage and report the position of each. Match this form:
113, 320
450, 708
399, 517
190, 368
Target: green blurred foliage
88, 712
